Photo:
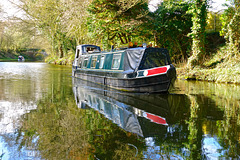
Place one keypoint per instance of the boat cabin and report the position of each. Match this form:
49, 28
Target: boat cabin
131, 62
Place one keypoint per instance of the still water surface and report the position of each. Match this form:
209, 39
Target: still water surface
47, 114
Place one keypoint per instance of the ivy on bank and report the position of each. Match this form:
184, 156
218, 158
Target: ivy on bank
198, 34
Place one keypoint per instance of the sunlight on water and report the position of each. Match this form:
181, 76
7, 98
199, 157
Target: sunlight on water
21, 70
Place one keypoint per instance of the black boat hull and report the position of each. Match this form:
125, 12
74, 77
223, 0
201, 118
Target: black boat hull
154, 84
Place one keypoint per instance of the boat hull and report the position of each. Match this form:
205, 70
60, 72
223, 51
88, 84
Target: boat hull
153, 84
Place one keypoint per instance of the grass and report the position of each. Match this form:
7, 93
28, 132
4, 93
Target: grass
8, 60
67, 60
218, 68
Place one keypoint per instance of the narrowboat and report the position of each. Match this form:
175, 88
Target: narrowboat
138, 69
21, 59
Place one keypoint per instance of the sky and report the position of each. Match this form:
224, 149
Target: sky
10, 10
216, 6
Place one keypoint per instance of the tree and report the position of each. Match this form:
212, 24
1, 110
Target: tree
75, 20
114, 20
231, 29
51, 19
199, 12
170, 25
1, 27
1, 12
213, 21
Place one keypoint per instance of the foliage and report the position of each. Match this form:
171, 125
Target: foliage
225, 18
16, 37
75, 20
169, 26
66, 60
231, 29
1, 14
51, 19
214, 23
199, 11
223, 64
116, 20
59, 25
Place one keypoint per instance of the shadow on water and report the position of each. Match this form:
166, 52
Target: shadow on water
54, 116
184, 126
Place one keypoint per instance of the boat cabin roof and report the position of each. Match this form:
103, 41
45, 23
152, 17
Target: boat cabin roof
143, 58
129, 60
88, 49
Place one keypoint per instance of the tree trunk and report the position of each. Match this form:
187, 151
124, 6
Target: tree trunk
233, 34
61, 52
199, 11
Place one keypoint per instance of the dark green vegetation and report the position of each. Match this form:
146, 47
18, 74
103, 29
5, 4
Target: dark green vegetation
199, 41
28, 54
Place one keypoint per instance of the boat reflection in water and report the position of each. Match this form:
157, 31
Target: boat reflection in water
179, 126
131, 111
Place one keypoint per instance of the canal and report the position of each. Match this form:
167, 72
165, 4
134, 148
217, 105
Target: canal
47, 114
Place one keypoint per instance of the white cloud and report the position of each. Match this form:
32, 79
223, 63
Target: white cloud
153, 4
216, 5
10, 9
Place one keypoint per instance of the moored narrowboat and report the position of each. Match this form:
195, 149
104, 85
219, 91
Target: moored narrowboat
21, 59
138, 69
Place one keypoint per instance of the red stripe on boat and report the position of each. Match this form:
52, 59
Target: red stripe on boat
156, 119
157, 71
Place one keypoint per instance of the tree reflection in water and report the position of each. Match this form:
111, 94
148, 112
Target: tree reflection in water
218, 107
60, 130
195, 129
114, 125
229, 129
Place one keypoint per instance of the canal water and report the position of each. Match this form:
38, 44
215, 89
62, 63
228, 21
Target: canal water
47, 114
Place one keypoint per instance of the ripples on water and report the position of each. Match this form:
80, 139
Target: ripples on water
45, 114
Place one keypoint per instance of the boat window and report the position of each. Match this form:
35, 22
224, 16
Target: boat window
101, 62
85, 62
94, 61
92, 49
80, 62
116, 61
155, 59
77, 53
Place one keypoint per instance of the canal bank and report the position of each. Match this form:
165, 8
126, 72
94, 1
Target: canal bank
29, 55
226, 72
223, 73
221, 67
